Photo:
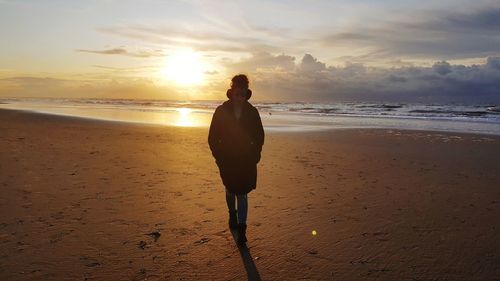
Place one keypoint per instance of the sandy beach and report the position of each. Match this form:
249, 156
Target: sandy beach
95, 200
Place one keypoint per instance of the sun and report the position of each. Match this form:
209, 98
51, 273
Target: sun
184, 67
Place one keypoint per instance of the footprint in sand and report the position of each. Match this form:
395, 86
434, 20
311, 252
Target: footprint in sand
155, 235
202, 241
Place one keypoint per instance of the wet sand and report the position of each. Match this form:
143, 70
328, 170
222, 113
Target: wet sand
94, 200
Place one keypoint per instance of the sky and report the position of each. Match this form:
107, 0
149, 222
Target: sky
312, 51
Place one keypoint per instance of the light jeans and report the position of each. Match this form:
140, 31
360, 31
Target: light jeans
242, 205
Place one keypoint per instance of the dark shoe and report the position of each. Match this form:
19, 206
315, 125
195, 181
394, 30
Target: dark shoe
242, 237
233, 221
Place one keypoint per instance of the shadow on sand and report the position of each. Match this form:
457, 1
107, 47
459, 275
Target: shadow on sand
252, 272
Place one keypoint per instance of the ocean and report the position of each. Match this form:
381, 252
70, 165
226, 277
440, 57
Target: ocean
278, 116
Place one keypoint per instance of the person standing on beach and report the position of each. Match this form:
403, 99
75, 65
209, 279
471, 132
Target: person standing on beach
236, 137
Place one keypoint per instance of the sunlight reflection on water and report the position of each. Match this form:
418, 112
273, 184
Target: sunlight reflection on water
185, 119
180, 117
189, 117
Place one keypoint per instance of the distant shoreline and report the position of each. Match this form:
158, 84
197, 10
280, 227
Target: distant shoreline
285, 117
60, 117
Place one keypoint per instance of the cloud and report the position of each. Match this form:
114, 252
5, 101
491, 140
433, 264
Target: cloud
442, 67
129, 70
432, 35
125, 52
211, 72
486, 20
395, 78
92, 87
493, 63
313, 80
378, 37
309, 64
280, 77
204, 36
263, 61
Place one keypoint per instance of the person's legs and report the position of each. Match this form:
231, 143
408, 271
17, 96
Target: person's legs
242, 208
230, 201
242, 218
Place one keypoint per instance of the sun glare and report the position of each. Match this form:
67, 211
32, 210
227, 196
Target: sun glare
184, 67
184, 119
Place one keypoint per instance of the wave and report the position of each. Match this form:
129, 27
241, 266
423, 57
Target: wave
490, 112
493, 109
450, 112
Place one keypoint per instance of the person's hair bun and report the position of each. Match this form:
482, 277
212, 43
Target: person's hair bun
240, 81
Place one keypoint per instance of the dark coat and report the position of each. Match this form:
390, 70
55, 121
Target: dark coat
236, 145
